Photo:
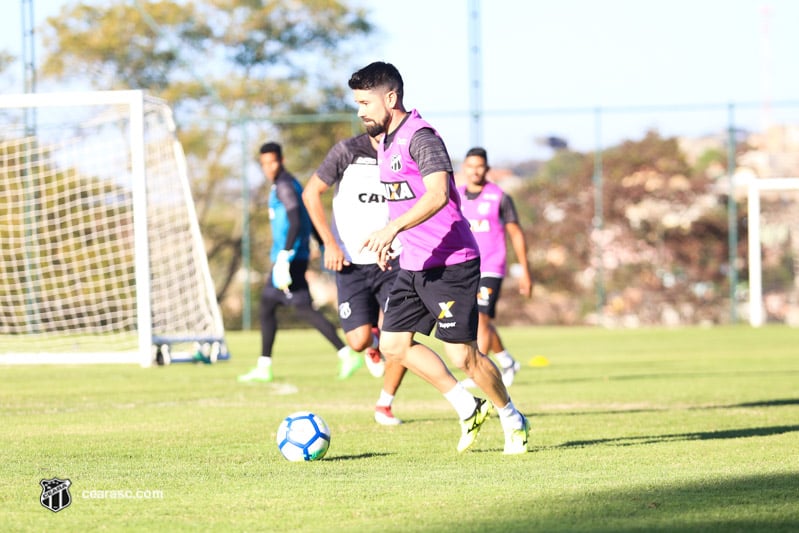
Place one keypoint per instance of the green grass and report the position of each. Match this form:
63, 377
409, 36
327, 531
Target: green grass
642, 430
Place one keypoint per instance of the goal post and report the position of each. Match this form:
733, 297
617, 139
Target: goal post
755, 187
101, 256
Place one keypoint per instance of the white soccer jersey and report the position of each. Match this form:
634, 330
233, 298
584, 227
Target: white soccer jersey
359, 204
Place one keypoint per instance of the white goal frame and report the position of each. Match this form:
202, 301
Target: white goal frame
149, 347
757, 316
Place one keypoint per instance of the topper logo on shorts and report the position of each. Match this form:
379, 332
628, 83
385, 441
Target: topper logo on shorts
398, 191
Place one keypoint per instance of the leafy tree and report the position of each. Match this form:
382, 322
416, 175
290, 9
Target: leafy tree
34, 216
230, 69
6, 60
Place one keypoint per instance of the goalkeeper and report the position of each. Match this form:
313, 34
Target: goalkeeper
291, 235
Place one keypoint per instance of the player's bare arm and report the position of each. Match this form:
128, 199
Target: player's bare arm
434, 198
519, 244
312, 198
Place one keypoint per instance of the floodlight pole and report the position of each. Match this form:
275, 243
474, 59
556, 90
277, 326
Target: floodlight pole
598, 209
30, 186
246, 256
29, 63
732, 217
475, 73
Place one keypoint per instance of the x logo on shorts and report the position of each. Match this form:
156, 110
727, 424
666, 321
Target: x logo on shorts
445, 307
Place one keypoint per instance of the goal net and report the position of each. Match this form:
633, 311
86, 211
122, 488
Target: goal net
101, 257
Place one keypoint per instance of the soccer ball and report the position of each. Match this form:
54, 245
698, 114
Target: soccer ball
303, 436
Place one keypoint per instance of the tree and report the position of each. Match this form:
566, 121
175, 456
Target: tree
6, 60
62, 250
229, 68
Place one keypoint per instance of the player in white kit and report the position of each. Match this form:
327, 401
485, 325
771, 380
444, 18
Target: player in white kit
359, 208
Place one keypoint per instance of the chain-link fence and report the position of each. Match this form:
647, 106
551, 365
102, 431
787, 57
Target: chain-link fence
639, 215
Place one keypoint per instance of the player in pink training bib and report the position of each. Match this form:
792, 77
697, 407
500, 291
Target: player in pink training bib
439, 263
491, 213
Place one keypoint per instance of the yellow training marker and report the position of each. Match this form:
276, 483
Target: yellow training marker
539, 361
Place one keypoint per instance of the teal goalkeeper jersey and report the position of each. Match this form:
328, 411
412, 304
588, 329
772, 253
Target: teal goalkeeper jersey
284, 197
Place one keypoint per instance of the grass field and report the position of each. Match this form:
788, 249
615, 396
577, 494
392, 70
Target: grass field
641, 430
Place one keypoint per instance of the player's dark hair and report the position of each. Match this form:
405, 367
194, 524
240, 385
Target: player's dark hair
378, 74
272, 148
479, 152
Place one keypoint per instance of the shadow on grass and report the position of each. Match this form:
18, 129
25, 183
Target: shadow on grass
358, 456
765, 403
671, 437
745, 503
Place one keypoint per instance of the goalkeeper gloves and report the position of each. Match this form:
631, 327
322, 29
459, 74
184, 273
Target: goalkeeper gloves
281, 277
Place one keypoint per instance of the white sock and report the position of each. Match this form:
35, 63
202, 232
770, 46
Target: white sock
505, 359
462, 400
509, 416
385, 399
344, 352
264, 361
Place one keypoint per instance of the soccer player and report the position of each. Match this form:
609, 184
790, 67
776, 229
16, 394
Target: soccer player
291, 236
439, 263
492, 214
359, 208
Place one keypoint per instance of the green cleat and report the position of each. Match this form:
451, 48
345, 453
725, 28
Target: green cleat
471, 426
349, 363
516, 439
263, 375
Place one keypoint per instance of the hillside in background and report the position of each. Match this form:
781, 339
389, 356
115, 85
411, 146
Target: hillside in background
660, 253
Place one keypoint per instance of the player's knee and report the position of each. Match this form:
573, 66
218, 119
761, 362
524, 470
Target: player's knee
462, 356
360, 338
359, 343
391, 349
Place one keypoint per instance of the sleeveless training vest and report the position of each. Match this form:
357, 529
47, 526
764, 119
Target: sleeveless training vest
483, 214
445, 238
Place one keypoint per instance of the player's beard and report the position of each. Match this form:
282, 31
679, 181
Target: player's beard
375, 128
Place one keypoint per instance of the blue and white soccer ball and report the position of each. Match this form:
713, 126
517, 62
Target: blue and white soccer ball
303, 436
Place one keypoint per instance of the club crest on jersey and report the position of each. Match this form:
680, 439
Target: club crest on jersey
397, 191
55, 494
396, 162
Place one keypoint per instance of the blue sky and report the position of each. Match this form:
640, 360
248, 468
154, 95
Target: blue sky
547, 64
